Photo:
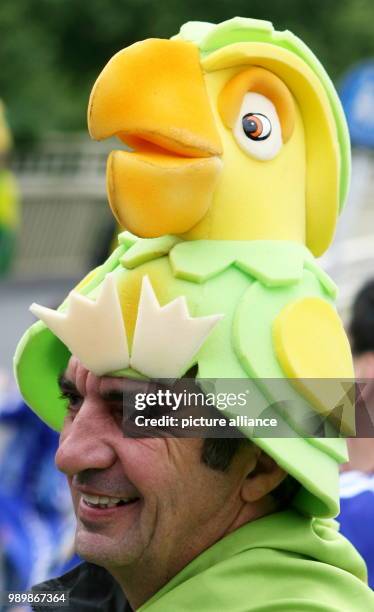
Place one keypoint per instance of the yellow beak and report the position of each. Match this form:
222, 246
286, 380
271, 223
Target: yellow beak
152, 96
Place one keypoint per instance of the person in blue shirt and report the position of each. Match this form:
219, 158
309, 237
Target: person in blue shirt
36, 516
357, 478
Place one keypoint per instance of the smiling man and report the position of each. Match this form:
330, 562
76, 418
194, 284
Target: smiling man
241, 152
146, 507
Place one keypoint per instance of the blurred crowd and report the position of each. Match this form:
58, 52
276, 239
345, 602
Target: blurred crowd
357, 477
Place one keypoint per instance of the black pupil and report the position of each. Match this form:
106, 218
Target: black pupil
249, 125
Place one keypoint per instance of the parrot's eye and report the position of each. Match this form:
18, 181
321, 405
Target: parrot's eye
257, 129
256, 126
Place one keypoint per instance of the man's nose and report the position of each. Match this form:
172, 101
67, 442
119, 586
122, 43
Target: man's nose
85, 444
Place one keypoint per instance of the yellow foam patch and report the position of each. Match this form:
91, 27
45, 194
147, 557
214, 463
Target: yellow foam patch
263, 82
322, 151
310, 343
129, 287
154, 90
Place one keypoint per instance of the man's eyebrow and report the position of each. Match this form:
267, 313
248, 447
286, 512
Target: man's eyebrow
66, 385
113, 395
126, 397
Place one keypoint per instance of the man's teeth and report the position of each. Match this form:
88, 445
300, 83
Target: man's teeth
105, 502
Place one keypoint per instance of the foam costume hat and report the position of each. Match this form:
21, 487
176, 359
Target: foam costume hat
240, 167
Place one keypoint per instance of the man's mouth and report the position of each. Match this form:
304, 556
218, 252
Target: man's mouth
103, 501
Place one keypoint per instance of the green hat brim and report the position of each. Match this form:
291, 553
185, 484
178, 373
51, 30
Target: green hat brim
39, 360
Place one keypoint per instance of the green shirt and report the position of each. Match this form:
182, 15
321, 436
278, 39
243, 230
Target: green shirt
282, 562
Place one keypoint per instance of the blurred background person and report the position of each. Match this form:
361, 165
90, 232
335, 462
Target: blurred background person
36, 522
9, 205
357, 478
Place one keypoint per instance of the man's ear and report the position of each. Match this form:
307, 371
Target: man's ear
263, 479
364, 369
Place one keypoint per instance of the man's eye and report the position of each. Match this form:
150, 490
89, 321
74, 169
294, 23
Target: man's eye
74, 400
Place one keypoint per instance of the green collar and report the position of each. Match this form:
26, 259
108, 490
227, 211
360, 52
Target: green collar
272, 262
283, 552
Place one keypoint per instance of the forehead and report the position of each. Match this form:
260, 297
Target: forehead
87, 382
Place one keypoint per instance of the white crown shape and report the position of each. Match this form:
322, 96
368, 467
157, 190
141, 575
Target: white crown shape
165, 341
92, 331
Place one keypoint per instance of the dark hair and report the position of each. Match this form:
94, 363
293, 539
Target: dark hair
217, 453
361, 329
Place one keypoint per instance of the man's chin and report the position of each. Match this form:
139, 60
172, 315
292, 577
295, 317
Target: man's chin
104, 549
111, 537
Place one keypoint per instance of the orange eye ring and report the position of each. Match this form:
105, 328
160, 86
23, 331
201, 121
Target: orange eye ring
256, 126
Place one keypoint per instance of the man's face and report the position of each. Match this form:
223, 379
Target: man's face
173, 505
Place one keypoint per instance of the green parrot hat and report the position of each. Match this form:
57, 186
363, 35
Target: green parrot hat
240, 166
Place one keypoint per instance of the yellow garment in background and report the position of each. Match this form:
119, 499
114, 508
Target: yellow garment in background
9, 201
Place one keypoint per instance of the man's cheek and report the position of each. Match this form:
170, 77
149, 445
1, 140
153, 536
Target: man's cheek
150, 453
146, 463
75, 495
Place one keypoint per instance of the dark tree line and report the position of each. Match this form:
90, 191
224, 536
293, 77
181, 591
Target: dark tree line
52, 50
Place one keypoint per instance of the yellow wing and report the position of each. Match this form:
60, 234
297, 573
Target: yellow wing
313, 351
